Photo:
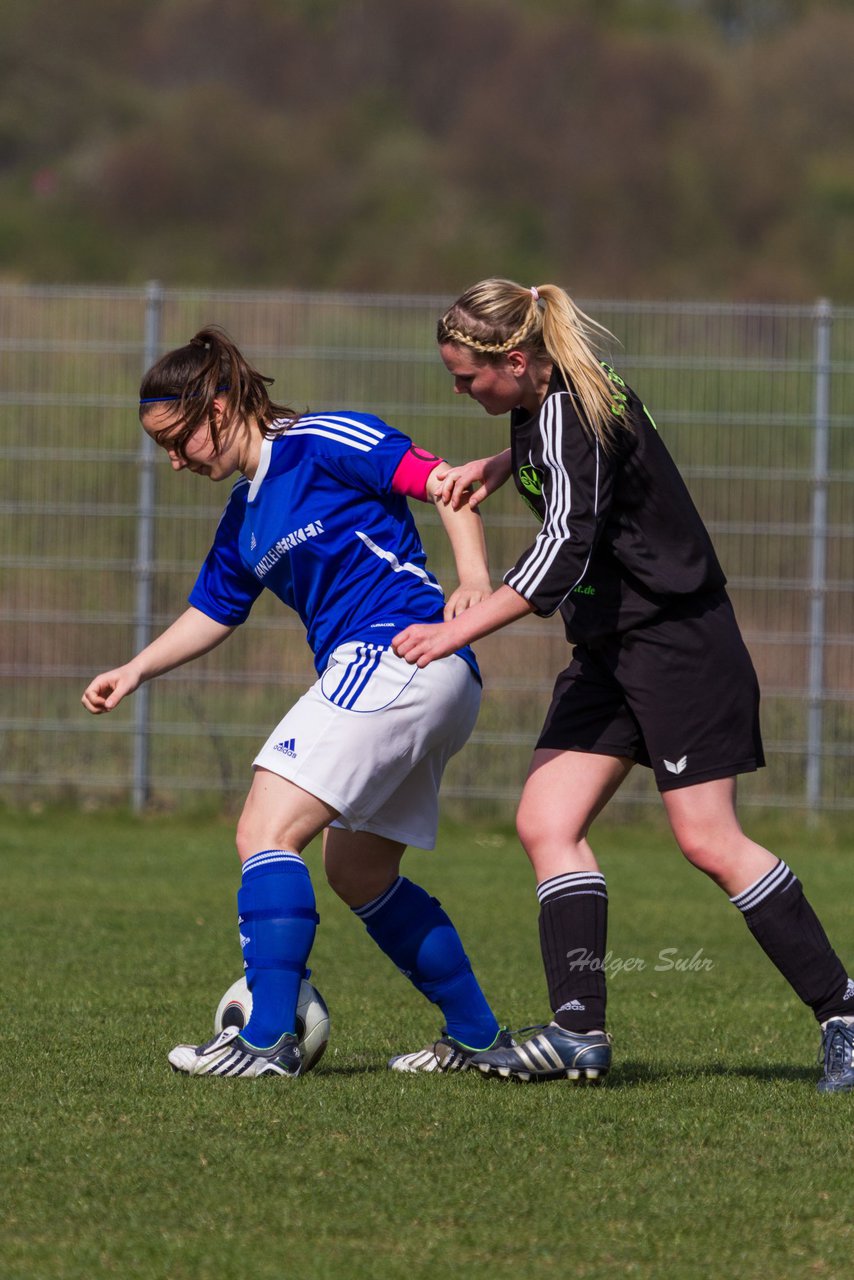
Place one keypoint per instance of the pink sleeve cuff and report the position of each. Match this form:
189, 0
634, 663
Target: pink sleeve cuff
410, 478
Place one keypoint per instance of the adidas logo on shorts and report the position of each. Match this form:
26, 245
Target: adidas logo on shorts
287, 748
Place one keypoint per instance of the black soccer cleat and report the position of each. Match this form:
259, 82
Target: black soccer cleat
837, 1056
552, 1054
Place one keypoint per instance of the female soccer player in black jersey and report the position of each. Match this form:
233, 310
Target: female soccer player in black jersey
659, 673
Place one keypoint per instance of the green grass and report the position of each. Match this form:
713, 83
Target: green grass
707, 1152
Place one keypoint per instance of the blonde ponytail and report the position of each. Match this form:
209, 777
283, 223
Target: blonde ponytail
497, 316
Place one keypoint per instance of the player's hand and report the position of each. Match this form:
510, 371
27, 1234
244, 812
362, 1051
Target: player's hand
107, 690
423, 642
473, 482
466, 594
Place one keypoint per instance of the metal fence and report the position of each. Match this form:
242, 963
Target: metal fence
99, 541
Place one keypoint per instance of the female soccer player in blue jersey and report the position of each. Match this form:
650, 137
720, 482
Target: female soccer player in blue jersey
319, 516
659, 673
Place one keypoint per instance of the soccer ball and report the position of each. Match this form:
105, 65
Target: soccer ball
235, 1007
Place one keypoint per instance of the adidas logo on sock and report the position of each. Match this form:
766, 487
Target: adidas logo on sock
572, 1006
287, 748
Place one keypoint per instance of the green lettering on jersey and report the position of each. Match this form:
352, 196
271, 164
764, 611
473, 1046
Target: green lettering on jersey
619, 400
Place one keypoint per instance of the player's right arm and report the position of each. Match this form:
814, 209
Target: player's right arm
190, 636
474, 481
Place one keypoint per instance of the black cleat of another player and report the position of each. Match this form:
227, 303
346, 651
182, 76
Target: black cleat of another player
551, 1054
837, 1056
229, 1055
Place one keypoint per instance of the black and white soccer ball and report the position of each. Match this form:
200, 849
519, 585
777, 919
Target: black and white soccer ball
235, 1007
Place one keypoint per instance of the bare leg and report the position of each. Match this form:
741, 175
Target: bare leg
279, 815
564, 792
775, 909
360, 866
707, 830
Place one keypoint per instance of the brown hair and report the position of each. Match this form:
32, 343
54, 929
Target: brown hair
192, 376
497, 316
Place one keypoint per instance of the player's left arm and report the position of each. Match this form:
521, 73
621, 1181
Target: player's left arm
420, 474
464, 529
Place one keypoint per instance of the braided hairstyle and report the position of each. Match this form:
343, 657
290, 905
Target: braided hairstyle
497, 316
210, 365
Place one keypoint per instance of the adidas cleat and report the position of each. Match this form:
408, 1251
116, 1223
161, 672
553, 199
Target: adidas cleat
552, 1054
445, 1054
228, 1055
837, 1056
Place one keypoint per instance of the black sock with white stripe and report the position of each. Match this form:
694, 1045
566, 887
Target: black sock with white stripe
790, 933
573, 929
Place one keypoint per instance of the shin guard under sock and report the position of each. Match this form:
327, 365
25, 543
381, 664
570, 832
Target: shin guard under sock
573, 933
787, 929
416, 934
278, 920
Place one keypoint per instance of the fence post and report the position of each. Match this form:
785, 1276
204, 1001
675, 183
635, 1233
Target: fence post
144, 561
818, 556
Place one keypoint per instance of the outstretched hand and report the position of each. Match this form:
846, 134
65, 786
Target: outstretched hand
108, 689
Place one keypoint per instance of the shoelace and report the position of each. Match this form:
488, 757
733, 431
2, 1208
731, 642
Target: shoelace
837, 1049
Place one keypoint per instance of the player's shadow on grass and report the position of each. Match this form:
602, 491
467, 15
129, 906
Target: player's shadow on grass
629, 1074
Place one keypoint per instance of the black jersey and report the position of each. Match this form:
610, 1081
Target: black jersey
621, 539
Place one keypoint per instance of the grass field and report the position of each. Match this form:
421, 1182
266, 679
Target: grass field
708, 1152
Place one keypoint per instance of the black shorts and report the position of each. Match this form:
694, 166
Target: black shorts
678, 695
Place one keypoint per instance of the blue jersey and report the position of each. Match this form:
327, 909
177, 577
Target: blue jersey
320, 527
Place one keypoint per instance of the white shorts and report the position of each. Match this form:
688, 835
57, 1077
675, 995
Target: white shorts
372, 737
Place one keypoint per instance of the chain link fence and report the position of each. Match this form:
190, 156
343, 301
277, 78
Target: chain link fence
100, 542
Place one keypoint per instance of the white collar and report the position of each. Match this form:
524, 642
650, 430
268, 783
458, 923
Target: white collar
263, 467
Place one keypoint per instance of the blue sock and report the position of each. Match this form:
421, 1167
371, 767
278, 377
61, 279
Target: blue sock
278, 921
416, 934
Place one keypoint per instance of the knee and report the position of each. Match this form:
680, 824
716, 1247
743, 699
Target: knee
254, 836
705, 855
552, 849
340, 881
355, 886
541, 832
243, 838
248, 837
532, 831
